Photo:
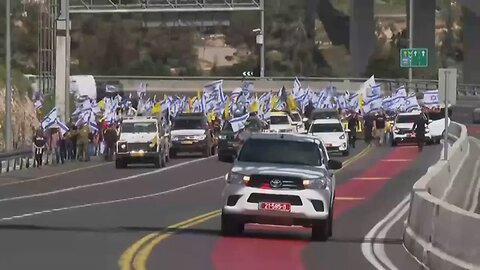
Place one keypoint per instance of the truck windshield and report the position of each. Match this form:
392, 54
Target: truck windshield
139, 127
326, 128
279, 120
273, 151
187, 124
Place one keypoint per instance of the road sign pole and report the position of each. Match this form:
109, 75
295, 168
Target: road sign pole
410, 40
445, 101
262, 46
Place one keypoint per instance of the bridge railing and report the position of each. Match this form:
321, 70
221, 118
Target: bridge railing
441, 229
194, 82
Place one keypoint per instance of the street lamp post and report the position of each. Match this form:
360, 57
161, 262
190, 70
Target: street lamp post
8, 81
262, 45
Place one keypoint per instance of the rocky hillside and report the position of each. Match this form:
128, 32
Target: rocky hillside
24, 116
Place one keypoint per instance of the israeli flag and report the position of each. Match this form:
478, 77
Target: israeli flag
411, 103
431, 99
63, 127
238, 123
50, 119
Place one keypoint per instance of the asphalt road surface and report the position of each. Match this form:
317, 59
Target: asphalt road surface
93, 216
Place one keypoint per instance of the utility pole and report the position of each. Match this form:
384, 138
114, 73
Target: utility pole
8, 81
410, 39
262, 45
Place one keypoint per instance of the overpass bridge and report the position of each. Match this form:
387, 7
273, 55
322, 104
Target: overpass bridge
193, 84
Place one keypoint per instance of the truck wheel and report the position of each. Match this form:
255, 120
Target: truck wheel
157, 162
120, 164
320, 231
231, 227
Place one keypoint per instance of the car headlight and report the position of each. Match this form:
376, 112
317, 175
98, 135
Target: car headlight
200, 137
236, 178
317, 183
396, 130
174, 138
342, 137
222, 137
122, 146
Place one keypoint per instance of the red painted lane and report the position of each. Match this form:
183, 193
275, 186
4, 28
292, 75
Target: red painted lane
472, 129
255, 253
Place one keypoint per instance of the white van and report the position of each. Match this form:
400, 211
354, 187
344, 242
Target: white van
437, 124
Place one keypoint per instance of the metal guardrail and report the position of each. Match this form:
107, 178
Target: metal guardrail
387, 83
21, 159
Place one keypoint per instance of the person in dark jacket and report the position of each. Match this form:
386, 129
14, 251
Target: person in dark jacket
352, 126
419, 127
39, 142
368, 128
110, 137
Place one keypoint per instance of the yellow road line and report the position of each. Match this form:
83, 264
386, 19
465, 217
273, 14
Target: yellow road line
129, 255
349, 198
137, 254
396, 160
371, 178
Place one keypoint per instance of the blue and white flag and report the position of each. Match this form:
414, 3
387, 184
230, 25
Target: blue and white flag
238, 123
431, 99
50, 119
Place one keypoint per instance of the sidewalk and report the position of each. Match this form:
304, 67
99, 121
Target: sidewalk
49, 170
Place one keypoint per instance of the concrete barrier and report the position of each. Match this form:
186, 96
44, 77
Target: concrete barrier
440, 232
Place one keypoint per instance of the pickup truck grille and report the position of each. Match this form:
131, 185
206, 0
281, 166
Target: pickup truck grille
288, 182
138, 146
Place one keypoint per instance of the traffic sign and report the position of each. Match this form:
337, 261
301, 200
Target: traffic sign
247, 74
414, 58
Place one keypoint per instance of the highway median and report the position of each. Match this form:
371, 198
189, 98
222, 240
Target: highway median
441, 226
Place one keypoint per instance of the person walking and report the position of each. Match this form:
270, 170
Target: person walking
419, 127
54, 144
380, 122
367, 128
110, 136
39, 143
82, 141
352, 126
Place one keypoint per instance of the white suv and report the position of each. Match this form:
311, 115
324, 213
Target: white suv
281, 179
332, 133
402, 128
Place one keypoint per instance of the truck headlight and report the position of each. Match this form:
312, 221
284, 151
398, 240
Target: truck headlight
317, 183
236, 178
199, 137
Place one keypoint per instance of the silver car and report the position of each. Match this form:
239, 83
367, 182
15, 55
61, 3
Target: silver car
281, 179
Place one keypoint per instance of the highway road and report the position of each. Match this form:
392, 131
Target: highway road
92, 216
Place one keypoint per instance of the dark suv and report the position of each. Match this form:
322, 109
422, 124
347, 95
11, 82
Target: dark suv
191, 133
229, 141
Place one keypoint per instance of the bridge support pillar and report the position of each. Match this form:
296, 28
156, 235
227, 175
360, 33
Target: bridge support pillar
362, 35
424, 35
471, 46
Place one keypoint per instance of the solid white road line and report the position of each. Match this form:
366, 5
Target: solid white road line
157, 194
74, 188
375, 252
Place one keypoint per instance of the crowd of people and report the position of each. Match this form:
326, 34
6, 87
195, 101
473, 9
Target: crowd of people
376, 126
77, 144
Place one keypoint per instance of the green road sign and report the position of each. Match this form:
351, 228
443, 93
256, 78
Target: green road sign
414, 58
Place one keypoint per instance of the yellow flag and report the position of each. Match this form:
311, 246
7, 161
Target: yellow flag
254, 106
273, 101
156, 108
101, 104
292, 105
190, 103
226, 112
